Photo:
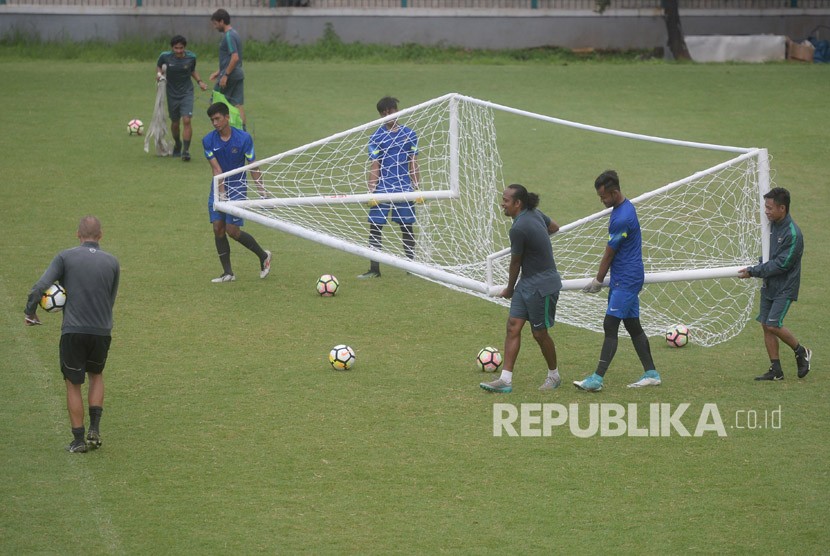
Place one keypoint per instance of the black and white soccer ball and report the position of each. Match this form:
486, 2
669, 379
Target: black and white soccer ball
54, 298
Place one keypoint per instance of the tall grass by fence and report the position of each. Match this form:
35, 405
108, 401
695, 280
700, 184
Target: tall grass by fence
432, 4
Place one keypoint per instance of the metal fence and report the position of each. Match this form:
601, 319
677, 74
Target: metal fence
231, 5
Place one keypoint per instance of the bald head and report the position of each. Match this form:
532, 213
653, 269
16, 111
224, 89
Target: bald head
89, 229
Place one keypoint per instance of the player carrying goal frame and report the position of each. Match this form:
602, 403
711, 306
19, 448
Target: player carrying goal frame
393, 151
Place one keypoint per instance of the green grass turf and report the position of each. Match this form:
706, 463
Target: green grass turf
225, 430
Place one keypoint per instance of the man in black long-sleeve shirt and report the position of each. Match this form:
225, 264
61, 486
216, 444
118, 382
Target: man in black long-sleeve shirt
90, 277
782, 278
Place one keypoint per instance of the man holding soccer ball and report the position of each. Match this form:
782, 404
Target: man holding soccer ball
782, 279
623, 256
535, 296
91, 278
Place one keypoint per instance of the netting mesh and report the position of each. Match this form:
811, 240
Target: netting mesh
710, 220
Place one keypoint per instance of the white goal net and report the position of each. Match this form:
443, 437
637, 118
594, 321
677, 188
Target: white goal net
697, 230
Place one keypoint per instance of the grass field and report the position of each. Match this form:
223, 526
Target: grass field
225, 430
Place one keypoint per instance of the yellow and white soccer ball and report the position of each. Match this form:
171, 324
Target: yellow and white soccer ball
342, 357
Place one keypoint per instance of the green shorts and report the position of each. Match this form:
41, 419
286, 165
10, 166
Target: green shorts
532, 306
773, 311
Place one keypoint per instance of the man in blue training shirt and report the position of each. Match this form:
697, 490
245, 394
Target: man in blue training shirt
181, 68
624, 258
227, 148
782, 279
393, 152
535, 296
230, 78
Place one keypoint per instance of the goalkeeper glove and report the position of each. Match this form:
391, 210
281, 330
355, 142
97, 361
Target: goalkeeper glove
593, 287
419, 201
372, 203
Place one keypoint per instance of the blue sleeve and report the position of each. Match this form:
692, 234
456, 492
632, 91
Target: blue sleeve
207, 147
617, 233
413, 146
249, 149
374, 148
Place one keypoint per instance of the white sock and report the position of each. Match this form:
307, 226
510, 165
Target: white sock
553, 373
507, 376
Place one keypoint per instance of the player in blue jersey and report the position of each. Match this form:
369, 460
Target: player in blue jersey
624, 258
181, 68
230, 77
393, 152
227, 148
782, 280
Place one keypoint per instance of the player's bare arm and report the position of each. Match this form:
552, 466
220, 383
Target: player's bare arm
512, 277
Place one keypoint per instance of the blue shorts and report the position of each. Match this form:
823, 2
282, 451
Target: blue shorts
401, 213
216, 216
773, 311
539, 309
623, 304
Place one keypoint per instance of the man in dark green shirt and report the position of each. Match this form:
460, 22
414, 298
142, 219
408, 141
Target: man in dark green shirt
181, 68
535, 295
782, 278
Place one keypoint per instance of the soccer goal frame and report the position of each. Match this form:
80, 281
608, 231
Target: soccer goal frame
325, 181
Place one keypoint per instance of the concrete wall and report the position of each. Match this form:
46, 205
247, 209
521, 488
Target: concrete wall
500, 28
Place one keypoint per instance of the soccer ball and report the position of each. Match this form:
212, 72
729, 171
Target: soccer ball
327, 285
342, 357
489, 359
135, 127
677, 336
54, 298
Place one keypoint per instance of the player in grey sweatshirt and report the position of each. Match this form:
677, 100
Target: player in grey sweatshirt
90, 277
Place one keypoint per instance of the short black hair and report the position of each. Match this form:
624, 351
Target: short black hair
221, 15
779, 196
529, 200
609, 180
178, 39
387, 103
218, 108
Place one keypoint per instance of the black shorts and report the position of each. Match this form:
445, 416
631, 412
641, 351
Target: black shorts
81, 354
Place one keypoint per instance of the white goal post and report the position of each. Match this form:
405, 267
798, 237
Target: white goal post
698, 231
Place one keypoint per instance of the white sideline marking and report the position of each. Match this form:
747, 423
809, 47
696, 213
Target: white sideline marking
56, 409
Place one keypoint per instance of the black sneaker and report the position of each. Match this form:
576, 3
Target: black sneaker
93, 440
771, 375
369, 274
803, 361
185, 156
176, 153
77, 446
